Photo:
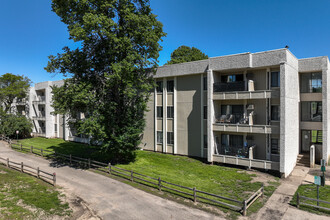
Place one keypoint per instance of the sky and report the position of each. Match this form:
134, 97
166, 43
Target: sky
30, 31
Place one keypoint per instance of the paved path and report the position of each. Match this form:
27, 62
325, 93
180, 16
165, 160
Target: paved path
278, 207
110, 199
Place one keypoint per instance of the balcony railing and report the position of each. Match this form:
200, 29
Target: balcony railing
231, 150
235, 119
40, 99
229, 86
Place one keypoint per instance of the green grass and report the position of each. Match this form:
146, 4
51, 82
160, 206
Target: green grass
309, 190
25, 197
64, 147
220, 180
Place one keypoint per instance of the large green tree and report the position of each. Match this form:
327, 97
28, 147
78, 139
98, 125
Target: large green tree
186, 54
110, 73
11, 87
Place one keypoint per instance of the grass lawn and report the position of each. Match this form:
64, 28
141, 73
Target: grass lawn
25, 197
64, 147
221, 180
309, 190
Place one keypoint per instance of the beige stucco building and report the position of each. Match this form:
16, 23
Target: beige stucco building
258, 110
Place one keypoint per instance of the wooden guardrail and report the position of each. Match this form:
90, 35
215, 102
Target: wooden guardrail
158, 183
40, 174
300, 198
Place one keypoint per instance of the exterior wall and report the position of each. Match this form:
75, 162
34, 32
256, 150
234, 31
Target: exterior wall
188, 115
149, 132
289, 120
325, 108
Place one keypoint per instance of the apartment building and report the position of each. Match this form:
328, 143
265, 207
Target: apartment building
252, 109
37, 107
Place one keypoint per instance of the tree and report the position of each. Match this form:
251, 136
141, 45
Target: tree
10, 123
11, 87
186, 54
111, 72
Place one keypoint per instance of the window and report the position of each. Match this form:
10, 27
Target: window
205, 141
159, 137
311, 111
274, 146
204, 83
232, 78
170, 138
159, 87
170, 112
316, 137
275, 112
55, 128
205, 112
159, 111
170, 86
311, 82
275, 79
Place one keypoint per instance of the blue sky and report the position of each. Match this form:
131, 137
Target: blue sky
30, 31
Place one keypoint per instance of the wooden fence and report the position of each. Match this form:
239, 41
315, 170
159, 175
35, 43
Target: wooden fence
300, 198
192, 193
40, 174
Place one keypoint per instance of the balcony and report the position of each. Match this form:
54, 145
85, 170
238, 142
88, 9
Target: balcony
40, 116
242, 123
237, 151
229, 86
262, 94
40, 99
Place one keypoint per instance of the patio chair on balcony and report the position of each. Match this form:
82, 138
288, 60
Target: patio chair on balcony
221, 119
229, 118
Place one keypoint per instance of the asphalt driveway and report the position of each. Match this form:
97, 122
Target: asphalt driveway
110, 199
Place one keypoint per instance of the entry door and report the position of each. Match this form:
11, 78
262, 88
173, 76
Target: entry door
305, 141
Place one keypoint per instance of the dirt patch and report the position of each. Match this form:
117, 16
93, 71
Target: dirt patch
80, 208
262, 177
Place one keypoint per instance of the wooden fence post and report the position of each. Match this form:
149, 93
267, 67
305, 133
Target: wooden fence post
54, 179
195, 199
31, 149
7, 162
298, 202
22, 169
132, 175
89, 163
21, 147
262, 191
159, 184
109, 168
38, 173
244, 207
70, 159
42, 152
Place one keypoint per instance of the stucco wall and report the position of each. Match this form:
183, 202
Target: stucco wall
148, 140
326, 108
188, 115
289, 121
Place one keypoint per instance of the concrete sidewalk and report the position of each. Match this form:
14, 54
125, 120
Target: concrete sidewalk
278, 207
110, 199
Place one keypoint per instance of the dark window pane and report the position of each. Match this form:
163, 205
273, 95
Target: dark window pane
170, 112
274, 146
159, 137
205, 141
170, 86
205, 112
275, 79
311, 111
159, 111
159, 87
275, 112
170, 138
204, 83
